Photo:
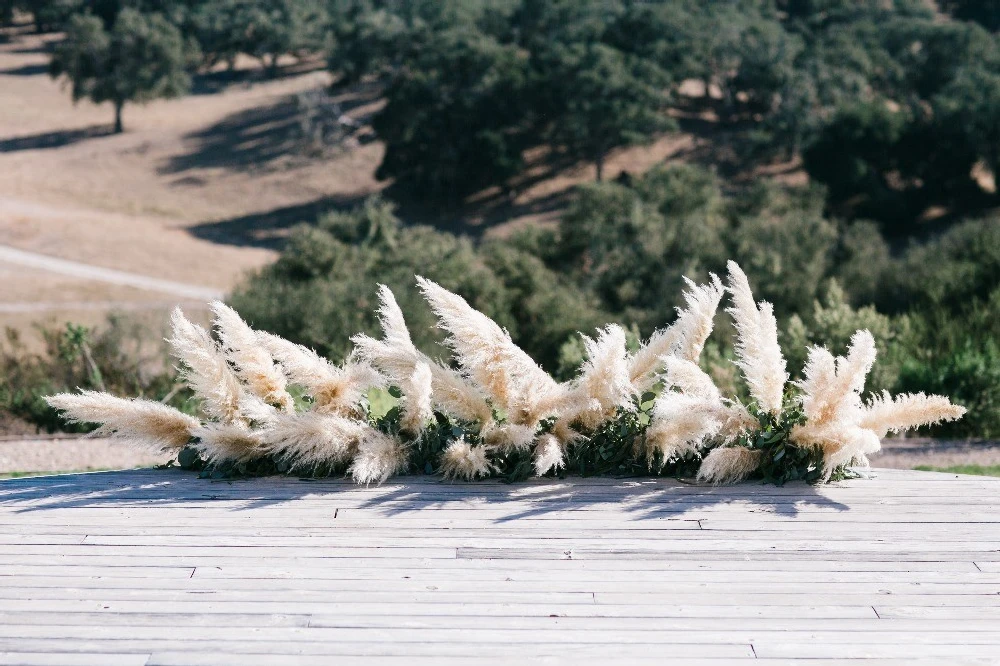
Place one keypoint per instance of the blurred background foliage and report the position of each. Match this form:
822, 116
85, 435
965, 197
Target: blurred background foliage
891, 106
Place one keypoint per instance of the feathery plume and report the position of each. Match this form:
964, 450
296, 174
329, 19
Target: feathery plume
455, 396
460, 460
507, 437
757, 351
227, 443
548, 454
490, 358
885, 413
395, 354
397, 357
691, 418
205, 369
334, 390
416, 404
252, 361
689, 378
831, 387
314, 438
728, 465
603, 384
685, 338
379, 457
137, 421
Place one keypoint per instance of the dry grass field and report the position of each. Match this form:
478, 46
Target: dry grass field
197, 190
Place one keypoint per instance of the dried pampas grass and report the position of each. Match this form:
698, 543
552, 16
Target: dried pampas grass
379, 457
139, 422
334, 389
397, 357
758, 354
728, 465
885, 413
685, 338
462, 460
603, 385
499, 405
205, 369
220, 443
250, 358
488, 357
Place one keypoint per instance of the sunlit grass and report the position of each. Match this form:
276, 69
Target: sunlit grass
21, 475
978, 470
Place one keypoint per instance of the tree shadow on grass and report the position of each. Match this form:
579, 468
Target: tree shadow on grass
25, 70
269, 229
46, 140
255, 139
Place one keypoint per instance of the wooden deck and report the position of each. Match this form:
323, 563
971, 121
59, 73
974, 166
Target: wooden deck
159, 567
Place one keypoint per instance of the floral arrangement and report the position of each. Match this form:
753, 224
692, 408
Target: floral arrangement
497, 413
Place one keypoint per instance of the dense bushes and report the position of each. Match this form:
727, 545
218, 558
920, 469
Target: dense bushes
619, 254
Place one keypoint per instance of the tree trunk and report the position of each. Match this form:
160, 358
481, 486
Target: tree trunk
599, 163
118, 117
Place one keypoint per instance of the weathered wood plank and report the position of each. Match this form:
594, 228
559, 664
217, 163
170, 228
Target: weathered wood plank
900, 568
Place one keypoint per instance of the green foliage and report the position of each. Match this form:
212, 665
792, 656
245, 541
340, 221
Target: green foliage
263, 29
832, 323
117, 358
322, 289
140, 59
598, 98
454, 121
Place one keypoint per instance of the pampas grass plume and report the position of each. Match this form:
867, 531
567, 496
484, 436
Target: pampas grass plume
728, 465
685, 338
885, 413
137, 421
379, 457
548, 454
253, 363
758, 354
205, 369
460, 460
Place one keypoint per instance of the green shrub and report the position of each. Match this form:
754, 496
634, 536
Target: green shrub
119, 358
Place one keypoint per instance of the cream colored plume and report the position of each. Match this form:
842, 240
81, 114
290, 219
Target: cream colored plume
334, 389
728, 464
228, 443
315, 438
691, 414
205, 369
846, 430
460, 460
758, 354
397, 357
684, 338
603, 384
455, 396
141, 422
507, 437
251, 359
487, 355
378, 457
416, 403
885, 413
832, 386
549, 454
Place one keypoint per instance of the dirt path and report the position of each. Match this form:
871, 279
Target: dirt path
79, 270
